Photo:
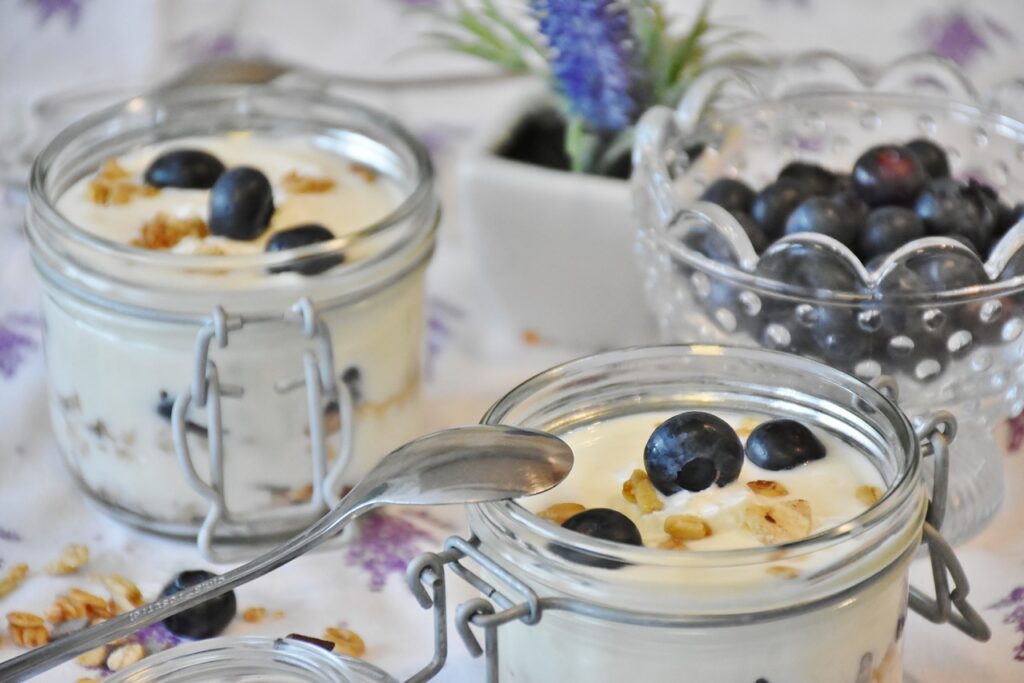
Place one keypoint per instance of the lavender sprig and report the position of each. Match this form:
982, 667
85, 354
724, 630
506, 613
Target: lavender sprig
593, 58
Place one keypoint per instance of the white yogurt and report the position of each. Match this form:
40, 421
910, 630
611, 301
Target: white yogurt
107, 369
609, 451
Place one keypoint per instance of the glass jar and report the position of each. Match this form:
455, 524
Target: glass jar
246, 451
564, 606
957, 349
250, 658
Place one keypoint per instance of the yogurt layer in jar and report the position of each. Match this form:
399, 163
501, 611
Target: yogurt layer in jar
779, 574
302, 245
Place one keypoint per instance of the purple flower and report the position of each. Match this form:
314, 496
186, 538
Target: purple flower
51, 8
1014, 617
13, 350
593, 58
8, 535
385, 545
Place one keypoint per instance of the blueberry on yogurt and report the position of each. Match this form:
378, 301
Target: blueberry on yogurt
206, 619
241, 204
783, 445
691, 451
606, 524
303, 236
184, 168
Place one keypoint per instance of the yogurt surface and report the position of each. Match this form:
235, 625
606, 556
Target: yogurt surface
610, 451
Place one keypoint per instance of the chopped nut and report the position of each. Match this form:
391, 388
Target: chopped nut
783, 571
787, 521
13, 579
559, 512
672, 544
368, 174
254, 615
869, 495
295, 182
112, 170
125, 656
746, 426
73, 558
163, 231
27, 630
767, 487
94, 658
124, 594
686, 527
112, 186
639, 489
345, 641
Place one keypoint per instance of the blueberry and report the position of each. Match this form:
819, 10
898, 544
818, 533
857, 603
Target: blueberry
783, 445
303, 236
930, 156
772, 205
887, 229
692, 451
808, 266
825, 217
241, 204
814, 179
850, 202
755, 234
1007, 217
708, 241
732, 195
888, 174
950, 208
838, 337
206, 619
606, 524
188, 168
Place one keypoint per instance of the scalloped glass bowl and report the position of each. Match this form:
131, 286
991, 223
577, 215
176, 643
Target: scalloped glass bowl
962, 350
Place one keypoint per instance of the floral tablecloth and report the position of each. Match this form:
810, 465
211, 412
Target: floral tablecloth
51, 45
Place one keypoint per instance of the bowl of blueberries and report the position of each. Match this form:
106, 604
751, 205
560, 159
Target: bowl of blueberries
868, 218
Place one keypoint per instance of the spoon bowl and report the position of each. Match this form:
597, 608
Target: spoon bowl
465, 465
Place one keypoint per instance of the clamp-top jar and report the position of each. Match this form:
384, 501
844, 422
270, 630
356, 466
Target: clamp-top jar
564, 606
176, 380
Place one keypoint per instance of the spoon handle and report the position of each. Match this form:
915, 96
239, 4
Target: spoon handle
41, 659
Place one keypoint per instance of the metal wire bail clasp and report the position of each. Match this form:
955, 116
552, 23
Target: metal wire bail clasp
206, 390
935, 432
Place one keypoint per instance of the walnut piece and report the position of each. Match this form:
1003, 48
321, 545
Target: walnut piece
125, 656
783, 522
767, 487
13, 579
560, 512
72, 558
346, 642
686, 527
639, 489
869, 495
112, 186
27, 629
163, 231
296, 183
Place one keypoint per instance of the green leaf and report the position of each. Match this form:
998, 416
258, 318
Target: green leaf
492, 12
689, 49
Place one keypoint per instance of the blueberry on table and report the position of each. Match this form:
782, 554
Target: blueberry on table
303, 236
692, 451
887, 229
185, 168
772, 205
783, 445
206, 619
606, 524
730, 194
814, 179
931, 156
825, 217
888, 174
241, 204
950, 208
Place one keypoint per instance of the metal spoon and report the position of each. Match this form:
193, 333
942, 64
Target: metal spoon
465, 465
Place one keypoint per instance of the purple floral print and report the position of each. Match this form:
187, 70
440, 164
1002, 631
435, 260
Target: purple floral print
47, 9
9, 535
14, 347
1015, 617
962, 36
385, 545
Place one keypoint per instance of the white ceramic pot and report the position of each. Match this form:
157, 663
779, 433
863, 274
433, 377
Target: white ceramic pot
555, 249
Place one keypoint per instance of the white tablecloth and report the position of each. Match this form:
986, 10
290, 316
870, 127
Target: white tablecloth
47, 45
